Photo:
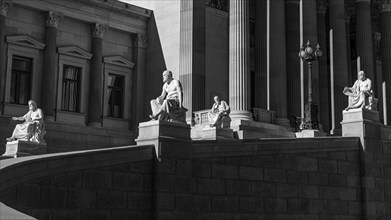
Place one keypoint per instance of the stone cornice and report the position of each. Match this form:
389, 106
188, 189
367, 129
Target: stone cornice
5, 4
53, 19
140, 40
321, 6
385, 6
98, 30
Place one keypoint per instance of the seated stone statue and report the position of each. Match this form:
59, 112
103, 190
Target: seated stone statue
361, 94
219, 113
33, 128
168, 106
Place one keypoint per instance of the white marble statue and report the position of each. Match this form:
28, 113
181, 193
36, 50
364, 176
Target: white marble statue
220, 109
33, 127
361, 94
168, 106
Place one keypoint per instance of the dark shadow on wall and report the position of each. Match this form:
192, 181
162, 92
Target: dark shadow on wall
155, 65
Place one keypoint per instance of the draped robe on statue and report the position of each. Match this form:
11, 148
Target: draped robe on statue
32, 128
359, 93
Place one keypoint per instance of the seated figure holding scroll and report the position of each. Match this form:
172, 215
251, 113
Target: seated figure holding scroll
219, 110
361, 94
32, 129
168, 106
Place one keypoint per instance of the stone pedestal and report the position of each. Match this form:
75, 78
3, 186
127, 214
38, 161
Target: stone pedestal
244, 129
24, 148
151, 131
211, 133
310, 133
361, 123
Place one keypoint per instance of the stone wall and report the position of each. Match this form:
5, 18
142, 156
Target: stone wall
313, 178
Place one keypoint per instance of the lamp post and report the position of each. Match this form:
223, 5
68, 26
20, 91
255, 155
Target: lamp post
311, 109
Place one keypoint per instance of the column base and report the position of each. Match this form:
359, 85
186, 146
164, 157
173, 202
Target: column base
245, 129
241, 115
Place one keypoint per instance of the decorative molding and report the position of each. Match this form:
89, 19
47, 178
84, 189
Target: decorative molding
98, 30
140, 40
119, 61
25, 41
386, 6
5, 5
53, 19
74, 51
321, 6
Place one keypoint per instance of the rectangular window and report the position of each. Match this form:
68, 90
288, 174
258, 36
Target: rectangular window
70, 89
20, 80
115, 94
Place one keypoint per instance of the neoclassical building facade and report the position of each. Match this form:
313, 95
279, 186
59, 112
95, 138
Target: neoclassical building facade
90, 68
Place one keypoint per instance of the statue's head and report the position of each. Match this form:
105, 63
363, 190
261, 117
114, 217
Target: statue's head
167, 76
216, 99
32, 105
361, 75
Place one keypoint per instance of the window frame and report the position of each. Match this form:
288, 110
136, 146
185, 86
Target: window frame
18, 78
78, 81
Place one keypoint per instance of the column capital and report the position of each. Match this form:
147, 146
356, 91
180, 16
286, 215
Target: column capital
385, 6
140, 40
98, 30
5, 4
53, 19
321, 6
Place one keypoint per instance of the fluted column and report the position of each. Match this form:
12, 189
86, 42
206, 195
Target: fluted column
364, 39
324, 85
337, 23
5, 4
239, 60
96, 76
260, 96
292, 60
49, 79
192, 55
278, 91
386, 51
138, 94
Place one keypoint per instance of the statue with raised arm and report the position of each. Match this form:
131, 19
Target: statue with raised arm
168, 106
220, 109
361, 94
32, 129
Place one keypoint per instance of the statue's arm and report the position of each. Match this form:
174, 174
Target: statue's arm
179, 89
161, 97
21, 118
40, 115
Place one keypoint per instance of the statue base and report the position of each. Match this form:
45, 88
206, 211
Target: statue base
24, 148
361, 123
310, 133
150, 132
211, 133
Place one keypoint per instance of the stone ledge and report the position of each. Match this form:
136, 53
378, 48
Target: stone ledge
12, 214
24, 148
205, 149
211, 133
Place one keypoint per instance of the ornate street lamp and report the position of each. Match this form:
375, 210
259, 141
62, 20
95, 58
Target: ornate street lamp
311, 109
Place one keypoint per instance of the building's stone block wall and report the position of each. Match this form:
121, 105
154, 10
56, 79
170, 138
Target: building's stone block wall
112, 192
22, 21
324, 185
74, 32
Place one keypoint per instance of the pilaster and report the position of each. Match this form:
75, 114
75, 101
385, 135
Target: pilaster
5, 5
364, 39
140, 43
192, 56
292, 63
386, 51
338, 25
278, 88
96, 76
49, 79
